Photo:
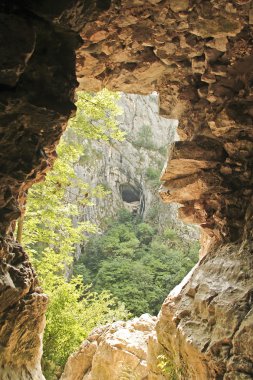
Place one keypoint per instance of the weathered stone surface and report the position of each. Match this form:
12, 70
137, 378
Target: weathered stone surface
37, 84
126, 164
113, 352
206, 326
198, 56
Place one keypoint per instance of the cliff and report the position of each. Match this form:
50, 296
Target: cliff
130, 169
198, 56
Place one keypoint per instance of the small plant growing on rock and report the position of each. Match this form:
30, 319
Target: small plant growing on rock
145, 138
167, 367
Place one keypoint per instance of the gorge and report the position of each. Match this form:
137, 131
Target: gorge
198, 56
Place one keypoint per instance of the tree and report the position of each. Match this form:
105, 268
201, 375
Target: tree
129, 281
136, 263
50, 235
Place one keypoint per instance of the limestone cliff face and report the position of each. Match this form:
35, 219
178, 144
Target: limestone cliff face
131, 169
198, 56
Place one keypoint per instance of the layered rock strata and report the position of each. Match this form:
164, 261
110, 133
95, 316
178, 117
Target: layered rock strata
198, 56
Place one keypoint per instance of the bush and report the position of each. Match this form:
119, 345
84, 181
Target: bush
145, 138
153, 174
72, 313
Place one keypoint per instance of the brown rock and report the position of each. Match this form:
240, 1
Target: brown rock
208, 339
218, 27
178, 6
99, 36
218, 43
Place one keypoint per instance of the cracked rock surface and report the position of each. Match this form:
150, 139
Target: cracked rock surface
198, 56
37, 85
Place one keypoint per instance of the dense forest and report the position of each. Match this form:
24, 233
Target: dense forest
135, 262
125, 270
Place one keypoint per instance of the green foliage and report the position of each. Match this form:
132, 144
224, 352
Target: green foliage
96, 116
153, 212
167, 367
153, 173
50, 235
170, 369
170, 234
129, 281
145, 138
145, 233
137, 264
72, 313
89, 155
163, 150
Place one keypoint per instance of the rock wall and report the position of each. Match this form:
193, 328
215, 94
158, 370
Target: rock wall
198, 56
206, 325
37, 84
131, 169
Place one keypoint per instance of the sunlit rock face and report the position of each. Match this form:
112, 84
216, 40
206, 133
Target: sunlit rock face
207, 327
198, 56
122, 166
113, 352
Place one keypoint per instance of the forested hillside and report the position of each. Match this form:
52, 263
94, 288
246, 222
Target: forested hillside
136, 262
52, 230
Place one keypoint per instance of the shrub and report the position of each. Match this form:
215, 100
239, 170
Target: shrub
145, 138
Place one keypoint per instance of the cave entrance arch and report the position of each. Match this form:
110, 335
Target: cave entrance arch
133, 198
129, 193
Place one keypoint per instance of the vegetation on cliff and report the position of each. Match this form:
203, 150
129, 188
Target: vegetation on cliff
50, 236
126, 270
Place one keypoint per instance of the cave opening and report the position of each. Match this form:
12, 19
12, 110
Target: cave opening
198, 56
100, 203
129, 193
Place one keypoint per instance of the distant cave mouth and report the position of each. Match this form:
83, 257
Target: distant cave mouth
129, 193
